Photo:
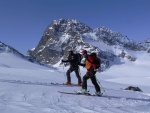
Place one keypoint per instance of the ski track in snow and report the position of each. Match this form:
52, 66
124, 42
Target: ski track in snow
43, 102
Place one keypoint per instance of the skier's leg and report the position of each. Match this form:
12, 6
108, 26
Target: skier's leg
93, 79
84, 83
68, 75
78, 76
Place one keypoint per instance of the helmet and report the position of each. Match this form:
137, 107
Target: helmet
84, 52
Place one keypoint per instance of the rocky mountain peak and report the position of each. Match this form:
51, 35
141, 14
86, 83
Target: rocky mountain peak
67, 26
64, 34
58, 36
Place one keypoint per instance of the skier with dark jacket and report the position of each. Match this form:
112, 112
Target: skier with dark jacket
91, 71
73, 67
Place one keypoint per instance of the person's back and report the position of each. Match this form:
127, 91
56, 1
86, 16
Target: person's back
88, 63
96, 60
72, 59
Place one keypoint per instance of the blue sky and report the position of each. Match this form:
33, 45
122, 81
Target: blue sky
23, 22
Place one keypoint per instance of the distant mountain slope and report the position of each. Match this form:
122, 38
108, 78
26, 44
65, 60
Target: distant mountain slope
8, 49
14, 61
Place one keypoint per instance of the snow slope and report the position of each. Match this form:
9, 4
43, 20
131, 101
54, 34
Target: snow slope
26, 88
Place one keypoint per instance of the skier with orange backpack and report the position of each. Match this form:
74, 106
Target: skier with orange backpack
91, 64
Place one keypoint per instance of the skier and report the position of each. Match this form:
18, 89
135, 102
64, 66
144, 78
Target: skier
72, 59
91, 71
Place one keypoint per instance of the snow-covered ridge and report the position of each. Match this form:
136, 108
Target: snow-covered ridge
9, 49
113, 38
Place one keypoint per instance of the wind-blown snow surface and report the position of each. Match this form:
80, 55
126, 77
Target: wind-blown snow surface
26, 88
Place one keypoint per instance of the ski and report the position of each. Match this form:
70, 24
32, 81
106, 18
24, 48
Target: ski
76, 93
56, 83
63, 84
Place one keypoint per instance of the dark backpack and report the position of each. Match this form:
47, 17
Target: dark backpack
96, 61
78, 58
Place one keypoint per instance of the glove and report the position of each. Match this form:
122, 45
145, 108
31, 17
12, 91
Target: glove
95, 69
99, 70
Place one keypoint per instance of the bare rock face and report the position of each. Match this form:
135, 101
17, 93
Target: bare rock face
59, 36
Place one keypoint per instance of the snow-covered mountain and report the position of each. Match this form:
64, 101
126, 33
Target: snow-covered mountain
65, 34
9, 49
57, 38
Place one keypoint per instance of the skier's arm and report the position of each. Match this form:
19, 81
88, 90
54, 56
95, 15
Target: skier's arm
81, 64
69, 60
64, 60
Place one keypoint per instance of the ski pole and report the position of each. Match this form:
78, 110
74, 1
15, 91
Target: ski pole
101, 85
64, 71
79, 71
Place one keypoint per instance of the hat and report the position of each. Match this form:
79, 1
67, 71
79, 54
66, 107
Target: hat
84, 52
70, 51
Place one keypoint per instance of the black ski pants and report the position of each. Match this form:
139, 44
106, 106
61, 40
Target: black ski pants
76, 70
93, 79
